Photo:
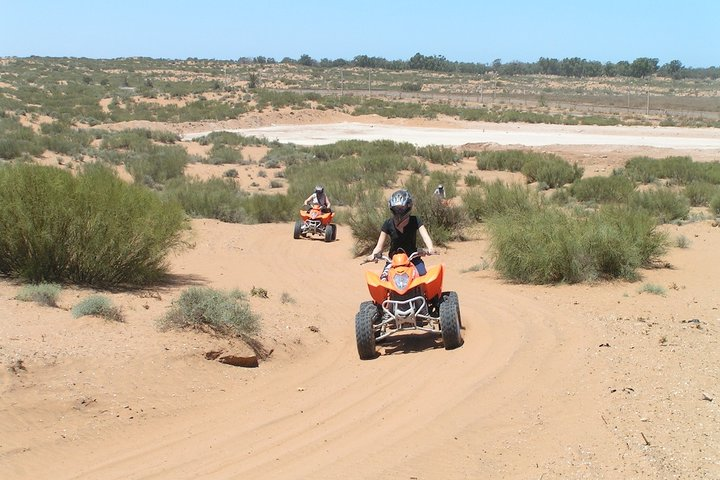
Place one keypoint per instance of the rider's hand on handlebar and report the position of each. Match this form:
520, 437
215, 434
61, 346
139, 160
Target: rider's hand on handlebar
374, 257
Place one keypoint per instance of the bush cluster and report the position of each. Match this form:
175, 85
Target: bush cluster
678, 170
99, 306
551, 170
41, 293
663, 204
615, 188
498, 198
207, 309
551, 245
91, 229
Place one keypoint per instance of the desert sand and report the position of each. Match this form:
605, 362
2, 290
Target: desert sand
565, 381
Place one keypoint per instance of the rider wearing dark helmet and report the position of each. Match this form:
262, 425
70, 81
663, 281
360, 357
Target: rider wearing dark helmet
319, 197
402, 229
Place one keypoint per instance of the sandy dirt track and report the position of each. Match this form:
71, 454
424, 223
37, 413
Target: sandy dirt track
583, 381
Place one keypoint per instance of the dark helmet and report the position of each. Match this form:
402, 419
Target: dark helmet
319, 189
400, 203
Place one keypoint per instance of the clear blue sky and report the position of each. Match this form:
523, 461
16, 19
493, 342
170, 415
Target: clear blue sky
474, 30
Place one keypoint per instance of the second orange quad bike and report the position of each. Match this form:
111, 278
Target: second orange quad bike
406, 301
316, 221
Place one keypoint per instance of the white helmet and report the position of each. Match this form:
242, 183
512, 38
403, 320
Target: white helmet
400, 203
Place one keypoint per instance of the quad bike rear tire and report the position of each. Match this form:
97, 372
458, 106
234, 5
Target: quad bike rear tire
450, 322
298, 229
334, 235
364, 332
330, 233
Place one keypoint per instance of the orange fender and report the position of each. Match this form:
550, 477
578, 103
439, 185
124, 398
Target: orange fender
433, 280
378, 291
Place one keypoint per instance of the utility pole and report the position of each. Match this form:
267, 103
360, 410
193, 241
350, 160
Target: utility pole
342, 83
647, 108
368, 82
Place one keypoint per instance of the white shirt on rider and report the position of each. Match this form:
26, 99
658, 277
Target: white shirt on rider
319, 200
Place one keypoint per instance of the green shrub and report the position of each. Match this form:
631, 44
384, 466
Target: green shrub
663, 203
447, 179
715, 205
203, 309
262, 208
678, 170
551, 170
136, 140
499, 198
472, 180
229, 138
411, 87
681, 241
280, 99
552, 245
506, 160
17, 140
443, 222
652, 289
286, 154
700, 193
42, 293
614, 188
598, 120
438, 154
99, 306
221, 154
217, 198
347, 178
370, 106
158, 165
418, 166
366, 220
61, 138
222, 199
163, 136
91, 229
362, 148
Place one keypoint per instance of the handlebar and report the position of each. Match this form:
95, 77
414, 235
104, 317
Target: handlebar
381, 256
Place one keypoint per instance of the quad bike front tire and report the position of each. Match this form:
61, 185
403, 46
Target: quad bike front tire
330, 233
334, 235
298, 229
450, 321
364, 332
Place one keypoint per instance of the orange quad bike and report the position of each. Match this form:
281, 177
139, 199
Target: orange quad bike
406, 301
316, 220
